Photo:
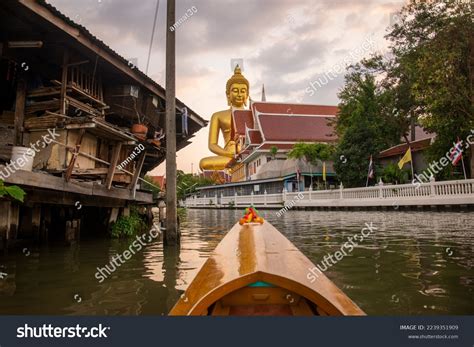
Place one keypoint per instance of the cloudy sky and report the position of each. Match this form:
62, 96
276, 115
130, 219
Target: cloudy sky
285, 44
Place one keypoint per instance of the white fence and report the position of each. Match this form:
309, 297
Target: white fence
432, 193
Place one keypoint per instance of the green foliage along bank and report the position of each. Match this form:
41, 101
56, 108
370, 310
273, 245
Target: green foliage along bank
128, 226
14, 192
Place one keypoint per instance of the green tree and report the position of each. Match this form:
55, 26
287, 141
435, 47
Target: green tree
365, 124
431, 73
273, 151
187, 183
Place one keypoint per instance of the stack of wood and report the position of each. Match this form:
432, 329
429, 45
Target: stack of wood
47, 121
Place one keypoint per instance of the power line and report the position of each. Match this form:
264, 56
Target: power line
152, 36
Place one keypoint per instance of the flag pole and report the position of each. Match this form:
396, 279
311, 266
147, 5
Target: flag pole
411, 164
462, 161
463, 167
368, 173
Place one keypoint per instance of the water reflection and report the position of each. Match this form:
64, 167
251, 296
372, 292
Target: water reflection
415, 263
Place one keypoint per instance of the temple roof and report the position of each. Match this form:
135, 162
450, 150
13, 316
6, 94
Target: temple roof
255, 137
295, 109
292, 128
401, 149
241, 119
282, 125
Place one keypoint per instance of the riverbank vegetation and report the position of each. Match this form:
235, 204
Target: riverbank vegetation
14, 192
187, 183
128, 226
426, 79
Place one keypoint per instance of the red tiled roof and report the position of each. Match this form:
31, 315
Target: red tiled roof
400, 149
298, 109
255, 137
296, 128
241, 119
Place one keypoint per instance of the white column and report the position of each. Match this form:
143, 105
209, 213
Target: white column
432, 186
265, 198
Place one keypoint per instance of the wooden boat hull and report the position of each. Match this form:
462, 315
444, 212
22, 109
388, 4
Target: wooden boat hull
256, 271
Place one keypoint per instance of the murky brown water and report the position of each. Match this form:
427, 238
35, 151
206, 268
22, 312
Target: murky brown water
416, 263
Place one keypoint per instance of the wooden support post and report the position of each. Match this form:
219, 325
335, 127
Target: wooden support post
20, 110
14, 221
113, 165
75, 153
4, 224
46, 223
114, 212
171, 234
72, 231
64, 81
136, 174
36, 222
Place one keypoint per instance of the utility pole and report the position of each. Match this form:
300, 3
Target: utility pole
171, 234
471, 68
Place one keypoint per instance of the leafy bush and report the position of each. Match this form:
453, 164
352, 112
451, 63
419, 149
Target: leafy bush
128, 226
392, 174
13, 191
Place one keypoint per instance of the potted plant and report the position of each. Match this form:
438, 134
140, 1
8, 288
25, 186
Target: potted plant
138, 128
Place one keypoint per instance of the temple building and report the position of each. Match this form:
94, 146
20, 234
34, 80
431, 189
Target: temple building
263, 136
279, 126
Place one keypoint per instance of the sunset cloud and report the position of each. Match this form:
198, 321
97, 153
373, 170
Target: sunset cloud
285, 44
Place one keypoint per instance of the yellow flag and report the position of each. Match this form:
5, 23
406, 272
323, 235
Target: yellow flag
324, 171
406, 158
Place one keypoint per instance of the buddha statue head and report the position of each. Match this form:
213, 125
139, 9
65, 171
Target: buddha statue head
237, 89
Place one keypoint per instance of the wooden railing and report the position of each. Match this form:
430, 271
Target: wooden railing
431, 193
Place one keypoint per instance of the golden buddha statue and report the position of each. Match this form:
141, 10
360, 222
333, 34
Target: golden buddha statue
237, 91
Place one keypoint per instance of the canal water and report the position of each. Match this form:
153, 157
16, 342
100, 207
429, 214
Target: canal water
413, 263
